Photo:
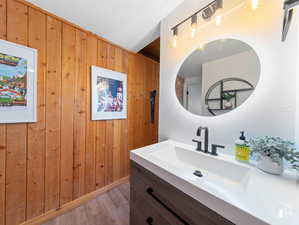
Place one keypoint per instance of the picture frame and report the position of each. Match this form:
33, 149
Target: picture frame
18, 83
109, 94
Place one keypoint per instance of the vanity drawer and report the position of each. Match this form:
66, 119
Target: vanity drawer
145, 212
185, 207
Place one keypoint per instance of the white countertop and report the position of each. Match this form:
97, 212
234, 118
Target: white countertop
255, 198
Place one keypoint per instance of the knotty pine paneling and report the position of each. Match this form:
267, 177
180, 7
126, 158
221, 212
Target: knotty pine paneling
3, 17
16, 134
66, 155
3, 149
36, 131
67, 112
91, 165
2, 172
80, 115
53, 113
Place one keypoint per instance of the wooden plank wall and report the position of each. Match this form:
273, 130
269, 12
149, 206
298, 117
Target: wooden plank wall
65, 155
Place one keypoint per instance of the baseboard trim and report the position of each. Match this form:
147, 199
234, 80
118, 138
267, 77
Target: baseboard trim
73, 204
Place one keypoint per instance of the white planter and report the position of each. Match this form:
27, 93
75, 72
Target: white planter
228, 105
266, 164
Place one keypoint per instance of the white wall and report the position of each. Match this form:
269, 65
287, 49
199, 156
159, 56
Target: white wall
271, 110
193, 85
245, 65
297, 87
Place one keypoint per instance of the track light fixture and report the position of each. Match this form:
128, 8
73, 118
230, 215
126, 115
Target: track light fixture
207, 13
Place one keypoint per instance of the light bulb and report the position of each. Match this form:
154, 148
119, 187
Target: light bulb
174, 38
193, 25
218, 19
218, 15
193, 30
254, 4
174, 41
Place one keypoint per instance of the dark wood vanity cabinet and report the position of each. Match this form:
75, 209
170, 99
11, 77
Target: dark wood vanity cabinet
156, 202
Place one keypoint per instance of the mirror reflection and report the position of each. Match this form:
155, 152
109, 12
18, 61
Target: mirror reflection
218, 77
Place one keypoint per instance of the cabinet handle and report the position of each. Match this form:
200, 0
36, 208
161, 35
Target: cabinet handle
150, 191
150, 220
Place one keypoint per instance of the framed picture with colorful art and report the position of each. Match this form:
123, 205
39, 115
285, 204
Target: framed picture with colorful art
109, 94
18, 83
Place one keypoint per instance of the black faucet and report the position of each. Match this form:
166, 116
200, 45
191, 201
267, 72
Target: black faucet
214, 149
206, 144
198, 148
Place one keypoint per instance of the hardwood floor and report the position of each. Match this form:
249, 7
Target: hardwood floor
111, 208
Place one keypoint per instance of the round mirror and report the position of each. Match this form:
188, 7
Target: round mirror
218, 77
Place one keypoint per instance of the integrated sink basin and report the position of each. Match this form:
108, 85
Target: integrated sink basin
213, 169
239, 192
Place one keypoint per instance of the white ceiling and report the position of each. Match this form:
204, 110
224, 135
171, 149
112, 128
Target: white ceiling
131, 24
192, 66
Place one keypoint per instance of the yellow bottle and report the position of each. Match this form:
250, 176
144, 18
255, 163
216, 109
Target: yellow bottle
242, 150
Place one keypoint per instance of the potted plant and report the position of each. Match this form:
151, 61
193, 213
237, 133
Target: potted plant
270, 153
295, 162
227, 97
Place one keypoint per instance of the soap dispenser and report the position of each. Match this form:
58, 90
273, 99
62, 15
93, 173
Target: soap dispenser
242, 150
